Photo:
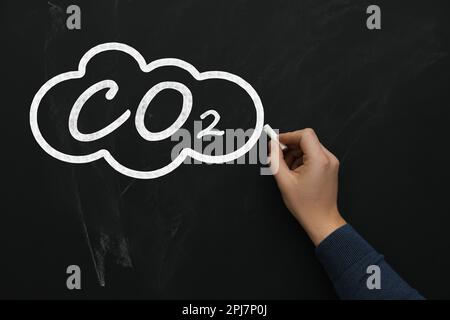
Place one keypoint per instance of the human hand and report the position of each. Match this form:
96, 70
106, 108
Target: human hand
307, 176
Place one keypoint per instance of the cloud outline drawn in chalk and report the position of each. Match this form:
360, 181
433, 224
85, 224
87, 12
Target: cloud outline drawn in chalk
147, 68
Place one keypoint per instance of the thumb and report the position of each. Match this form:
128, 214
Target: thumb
278, 166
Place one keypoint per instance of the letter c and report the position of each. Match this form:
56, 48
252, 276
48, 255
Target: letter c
76, 109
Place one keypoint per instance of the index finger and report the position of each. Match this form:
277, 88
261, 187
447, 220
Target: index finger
305, 139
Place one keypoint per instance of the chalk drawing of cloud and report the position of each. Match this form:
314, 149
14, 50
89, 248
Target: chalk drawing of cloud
113, 88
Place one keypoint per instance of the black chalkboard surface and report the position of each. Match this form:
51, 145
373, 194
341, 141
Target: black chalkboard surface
378, 99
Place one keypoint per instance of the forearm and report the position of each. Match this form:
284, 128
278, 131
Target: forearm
345, 255
307, 175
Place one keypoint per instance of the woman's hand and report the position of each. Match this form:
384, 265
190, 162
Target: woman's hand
307, 176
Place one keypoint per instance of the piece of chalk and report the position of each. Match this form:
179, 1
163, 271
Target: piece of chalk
273, 135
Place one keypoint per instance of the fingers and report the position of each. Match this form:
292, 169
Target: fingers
305, 139
304, 146
289, 157
331, 157
297, 163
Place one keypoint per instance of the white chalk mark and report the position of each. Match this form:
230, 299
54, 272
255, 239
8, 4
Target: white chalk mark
148, 97
210, 130
274, 136
98, 270
75, 112
187, 152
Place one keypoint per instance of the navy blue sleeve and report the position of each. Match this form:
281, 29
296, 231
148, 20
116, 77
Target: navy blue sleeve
346, 257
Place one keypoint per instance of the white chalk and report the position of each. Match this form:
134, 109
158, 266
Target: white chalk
273, 135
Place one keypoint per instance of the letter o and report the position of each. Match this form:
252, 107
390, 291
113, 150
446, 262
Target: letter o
148, 97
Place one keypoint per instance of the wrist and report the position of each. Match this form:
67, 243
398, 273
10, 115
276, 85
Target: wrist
322, 225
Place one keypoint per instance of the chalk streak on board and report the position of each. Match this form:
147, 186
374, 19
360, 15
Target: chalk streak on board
100, 273
100, 222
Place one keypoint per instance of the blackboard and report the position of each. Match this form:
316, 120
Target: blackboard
378, 99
